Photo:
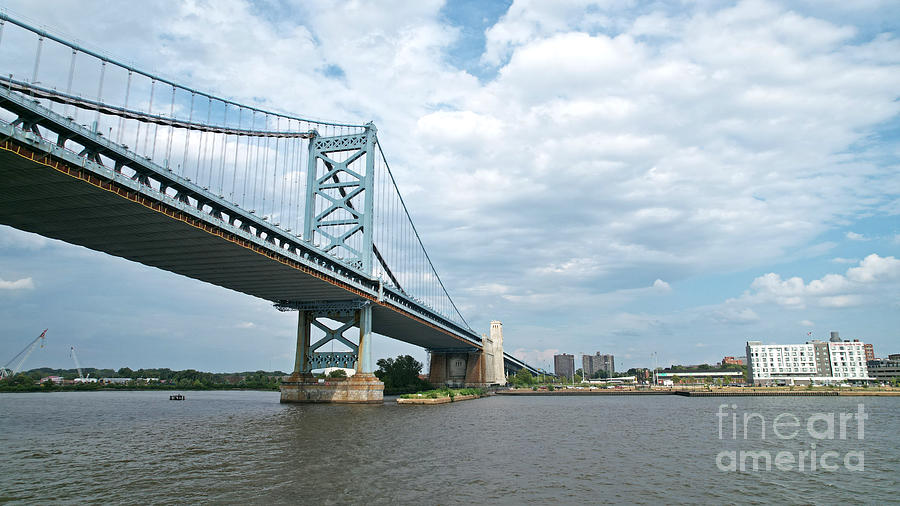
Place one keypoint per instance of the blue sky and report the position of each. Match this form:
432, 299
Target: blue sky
622, 177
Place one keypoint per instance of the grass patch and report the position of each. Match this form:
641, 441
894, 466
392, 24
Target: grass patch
444, 392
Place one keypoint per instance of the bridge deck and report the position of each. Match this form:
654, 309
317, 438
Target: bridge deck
59, 201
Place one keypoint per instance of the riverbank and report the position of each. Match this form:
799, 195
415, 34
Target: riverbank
720, 392
111, 388
575, 391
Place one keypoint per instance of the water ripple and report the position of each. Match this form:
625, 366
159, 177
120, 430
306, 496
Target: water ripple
245, 447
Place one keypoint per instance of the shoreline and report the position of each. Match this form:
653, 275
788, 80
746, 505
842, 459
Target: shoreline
709, 393
50, 391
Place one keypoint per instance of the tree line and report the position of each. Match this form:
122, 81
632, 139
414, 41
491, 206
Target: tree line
162, 378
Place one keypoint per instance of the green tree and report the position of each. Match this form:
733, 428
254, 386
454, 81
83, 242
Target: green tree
601, 374
522, 378
337, 373
401, 373
20, 379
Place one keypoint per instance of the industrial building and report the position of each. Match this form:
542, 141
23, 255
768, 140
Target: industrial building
885, 369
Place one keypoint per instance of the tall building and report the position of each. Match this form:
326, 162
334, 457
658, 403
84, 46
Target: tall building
564, 365
848, 360
590, 364
870, 351
813, 362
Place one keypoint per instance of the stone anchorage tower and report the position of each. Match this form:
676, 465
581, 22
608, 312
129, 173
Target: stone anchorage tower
493, 355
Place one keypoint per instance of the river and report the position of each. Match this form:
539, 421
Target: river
245, 447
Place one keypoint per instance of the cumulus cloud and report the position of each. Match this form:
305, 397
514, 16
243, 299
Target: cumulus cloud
874, 273
607, 147
19, 284
661, 286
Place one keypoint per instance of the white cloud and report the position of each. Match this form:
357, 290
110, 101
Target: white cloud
853, 236
661, 286
873, 275
609, 145
806, 323
245, 325
19, 284
874, 269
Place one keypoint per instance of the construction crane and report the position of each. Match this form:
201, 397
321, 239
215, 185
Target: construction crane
77, 365
15, 365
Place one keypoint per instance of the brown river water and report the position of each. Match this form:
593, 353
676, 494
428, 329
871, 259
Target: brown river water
245, 447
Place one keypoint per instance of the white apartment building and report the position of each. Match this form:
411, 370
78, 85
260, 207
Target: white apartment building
812, 362
848, 360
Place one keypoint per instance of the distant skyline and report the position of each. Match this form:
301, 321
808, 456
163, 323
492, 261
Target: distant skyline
614, 177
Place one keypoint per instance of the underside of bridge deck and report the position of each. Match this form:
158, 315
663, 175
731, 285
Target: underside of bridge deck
48, 197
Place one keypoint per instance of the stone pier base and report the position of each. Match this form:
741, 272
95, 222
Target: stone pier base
471, 368
361, 388
457, 370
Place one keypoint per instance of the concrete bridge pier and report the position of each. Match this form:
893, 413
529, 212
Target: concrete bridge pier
471, 367
361, 388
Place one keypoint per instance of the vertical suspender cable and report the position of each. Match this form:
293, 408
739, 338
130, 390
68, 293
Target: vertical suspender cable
255, 174
69, 85
298, 181
202, 139
262, 185
171, 128
149, 112
302, 191
100, 95
187, 139
208, 158
37, 60
275, 172
155, 132
289, 180
124, 106
292, 149
222, 160
237, 144
247, 164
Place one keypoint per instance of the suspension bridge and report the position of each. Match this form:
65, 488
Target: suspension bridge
300, 212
